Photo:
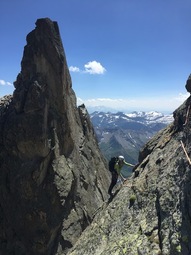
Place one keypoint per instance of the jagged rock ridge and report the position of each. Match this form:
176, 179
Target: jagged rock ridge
151, 214
53, 177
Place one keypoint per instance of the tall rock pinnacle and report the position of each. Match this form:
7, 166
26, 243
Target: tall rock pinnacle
53, 177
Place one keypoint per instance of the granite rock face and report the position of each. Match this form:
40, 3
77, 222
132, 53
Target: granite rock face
188, 84
151, 214
52, 175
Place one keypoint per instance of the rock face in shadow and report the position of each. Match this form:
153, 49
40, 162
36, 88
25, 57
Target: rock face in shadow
151, 214
52, 175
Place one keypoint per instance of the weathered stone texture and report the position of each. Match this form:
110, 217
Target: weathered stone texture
52, 175
151, 214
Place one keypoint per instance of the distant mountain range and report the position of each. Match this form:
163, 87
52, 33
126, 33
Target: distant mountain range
126, 133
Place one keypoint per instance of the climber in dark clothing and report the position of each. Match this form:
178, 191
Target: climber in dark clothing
116, 172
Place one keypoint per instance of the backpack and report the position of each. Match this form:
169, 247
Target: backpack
112, 162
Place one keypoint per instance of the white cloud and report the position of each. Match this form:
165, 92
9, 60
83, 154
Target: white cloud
80, 101
94, 67
161, 104
3, 83
74, 69
182, 97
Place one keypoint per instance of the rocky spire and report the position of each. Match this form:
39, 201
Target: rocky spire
53, 177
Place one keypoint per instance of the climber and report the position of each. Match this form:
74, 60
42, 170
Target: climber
115, 169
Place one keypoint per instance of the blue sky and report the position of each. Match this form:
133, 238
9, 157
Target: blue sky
126, 54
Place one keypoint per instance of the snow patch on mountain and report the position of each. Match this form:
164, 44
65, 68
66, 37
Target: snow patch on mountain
126, 133
152, 116
139, 117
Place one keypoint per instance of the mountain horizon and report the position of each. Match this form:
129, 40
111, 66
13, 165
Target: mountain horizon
105, 109
126, 133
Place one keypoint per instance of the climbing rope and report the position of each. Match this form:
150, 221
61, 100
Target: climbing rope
184, 149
